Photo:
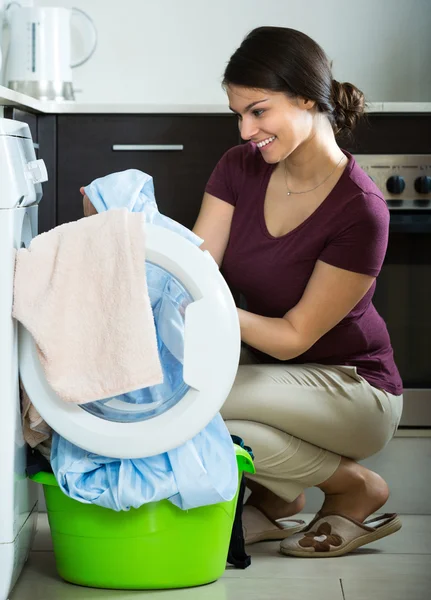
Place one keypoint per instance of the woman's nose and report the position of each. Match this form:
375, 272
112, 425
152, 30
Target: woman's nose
247, 129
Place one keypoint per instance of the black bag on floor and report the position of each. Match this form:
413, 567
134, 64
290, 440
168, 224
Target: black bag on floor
237, 555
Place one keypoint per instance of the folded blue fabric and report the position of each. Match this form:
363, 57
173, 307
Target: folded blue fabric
202, 471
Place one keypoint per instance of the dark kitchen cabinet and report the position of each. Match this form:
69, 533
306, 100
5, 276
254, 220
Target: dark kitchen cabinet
178, 151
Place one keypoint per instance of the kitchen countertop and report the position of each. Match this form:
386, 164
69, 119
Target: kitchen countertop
10, 98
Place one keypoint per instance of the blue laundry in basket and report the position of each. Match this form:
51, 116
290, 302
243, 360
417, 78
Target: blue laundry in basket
202, 471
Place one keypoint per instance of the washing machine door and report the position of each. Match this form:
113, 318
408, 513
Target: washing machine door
118, 429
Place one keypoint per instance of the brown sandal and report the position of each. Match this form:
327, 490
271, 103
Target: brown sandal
258, 527
336, 535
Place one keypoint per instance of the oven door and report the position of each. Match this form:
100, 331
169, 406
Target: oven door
403, 298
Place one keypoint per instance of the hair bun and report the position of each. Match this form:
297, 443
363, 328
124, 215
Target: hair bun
349, 105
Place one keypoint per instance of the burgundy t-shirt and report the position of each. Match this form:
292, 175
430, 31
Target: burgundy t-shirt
348, 230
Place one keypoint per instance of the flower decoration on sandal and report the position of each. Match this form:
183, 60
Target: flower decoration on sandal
321, 540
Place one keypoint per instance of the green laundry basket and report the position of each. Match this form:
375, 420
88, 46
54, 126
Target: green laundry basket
157, 546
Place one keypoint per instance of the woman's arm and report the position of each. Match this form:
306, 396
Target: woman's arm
330, 295
213, 226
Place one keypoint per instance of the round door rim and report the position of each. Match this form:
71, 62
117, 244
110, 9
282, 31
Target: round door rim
215, 372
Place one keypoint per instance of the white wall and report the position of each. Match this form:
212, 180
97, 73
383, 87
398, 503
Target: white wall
174, 51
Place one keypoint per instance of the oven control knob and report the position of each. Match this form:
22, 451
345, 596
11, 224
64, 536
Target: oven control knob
423, 184
396, 184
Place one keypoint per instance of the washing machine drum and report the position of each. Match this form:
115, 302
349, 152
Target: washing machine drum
199, 346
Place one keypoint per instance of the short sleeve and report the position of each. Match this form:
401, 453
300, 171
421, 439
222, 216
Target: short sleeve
226, 180
360, 243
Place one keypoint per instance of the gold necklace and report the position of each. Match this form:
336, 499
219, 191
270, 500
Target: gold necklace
315, 187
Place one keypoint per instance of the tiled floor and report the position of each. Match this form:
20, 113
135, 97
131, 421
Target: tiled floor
395, 568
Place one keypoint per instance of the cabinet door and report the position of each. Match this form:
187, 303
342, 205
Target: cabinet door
389, 133
183, 151
47, 137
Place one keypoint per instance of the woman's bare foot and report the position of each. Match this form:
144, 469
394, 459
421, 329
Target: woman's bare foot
272, 505
354, 491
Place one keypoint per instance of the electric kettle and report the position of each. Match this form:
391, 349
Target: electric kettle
39, 55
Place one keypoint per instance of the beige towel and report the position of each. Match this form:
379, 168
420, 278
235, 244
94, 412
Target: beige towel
35, 430
81, 291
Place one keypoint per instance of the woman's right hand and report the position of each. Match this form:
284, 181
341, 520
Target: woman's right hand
86, 204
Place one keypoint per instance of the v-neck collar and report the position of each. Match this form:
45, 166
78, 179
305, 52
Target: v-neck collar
321, 207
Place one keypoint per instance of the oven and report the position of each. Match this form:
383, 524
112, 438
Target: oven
403, 292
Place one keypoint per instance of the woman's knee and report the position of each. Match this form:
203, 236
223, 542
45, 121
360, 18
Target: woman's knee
269, 445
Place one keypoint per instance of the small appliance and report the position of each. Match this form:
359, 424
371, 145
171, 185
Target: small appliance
38, 61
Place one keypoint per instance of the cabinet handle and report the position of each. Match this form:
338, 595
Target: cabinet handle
146, 147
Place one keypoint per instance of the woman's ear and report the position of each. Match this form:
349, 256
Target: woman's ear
306, 104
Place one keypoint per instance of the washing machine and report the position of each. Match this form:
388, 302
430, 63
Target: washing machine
21, 176
116, 427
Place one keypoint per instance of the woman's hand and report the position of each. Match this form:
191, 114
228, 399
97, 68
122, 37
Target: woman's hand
86, 204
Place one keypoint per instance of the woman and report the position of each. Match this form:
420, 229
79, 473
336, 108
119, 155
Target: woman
301, 232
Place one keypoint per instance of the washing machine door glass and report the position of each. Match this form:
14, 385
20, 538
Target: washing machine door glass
199, 345
169, 300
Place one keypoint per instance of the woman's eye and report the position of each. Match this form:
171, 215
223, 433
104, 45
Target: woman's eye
258, 112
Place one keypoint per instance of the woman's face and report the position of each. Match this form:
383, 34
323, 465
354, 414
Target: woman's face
276, 123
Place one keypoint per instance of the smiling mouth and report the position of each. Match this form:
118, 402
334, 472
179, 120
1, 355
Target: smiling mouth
264, 143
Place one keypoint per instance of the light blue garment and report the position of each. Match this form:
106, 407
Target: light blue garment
200, 472
134, 190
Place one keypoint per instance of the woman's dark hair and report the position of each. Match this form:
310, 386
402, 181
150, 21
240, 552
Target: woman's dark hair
285, 60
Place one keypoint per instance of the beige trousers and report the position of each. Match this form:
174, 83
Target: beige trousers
300, 419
